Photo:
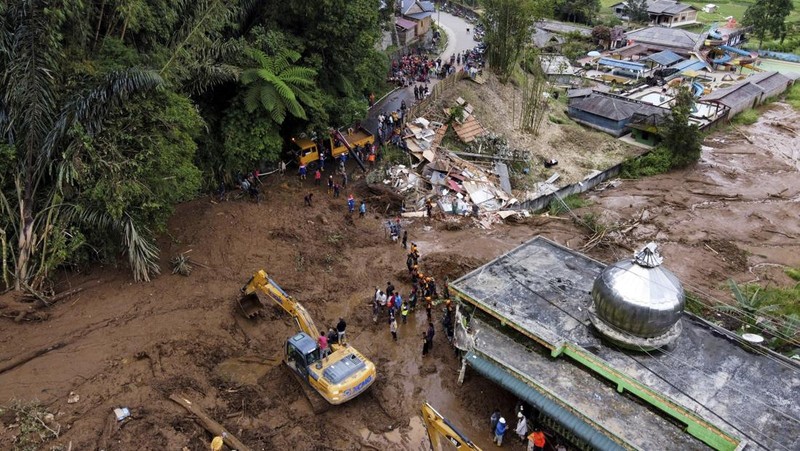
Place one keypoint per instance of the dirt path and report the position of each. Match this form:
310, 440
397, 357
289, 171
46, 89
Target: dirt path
127, 344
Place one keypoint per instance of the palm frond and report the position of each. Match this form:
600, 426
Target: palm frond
283, 60
261, 58
93, 107
282, 88
249, 76
142, 251
299, 76
205, 77
271, 103
252, 98
30, 51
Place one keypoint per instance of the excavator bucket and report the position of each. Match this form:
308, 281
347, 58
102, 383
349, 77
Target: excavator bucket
251, 305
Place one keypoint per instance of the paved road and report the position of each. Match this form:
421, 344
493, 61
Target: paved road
458, 40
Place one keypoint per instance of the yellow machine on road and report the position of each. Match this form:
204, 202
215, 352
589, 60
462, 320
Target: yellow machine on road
440, 427
337, 144
341, 376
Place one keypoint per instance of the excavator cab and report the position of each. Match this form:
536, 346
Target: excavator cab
302, 352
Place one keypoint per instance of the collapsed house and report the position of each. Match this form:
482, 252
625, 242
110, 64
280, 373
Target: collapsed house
443, 178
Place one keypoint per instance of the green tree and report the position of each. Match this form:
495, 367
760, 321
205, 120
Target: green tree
337, 39
277, 85
508, 25
248, 138
637, 11
679, 136
38, 123
141, 174
582, 11
768, 17
601, 35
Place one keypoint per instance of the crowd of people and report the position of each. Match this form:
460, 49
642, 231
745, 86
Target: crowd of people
533, 436
410, 68
389, 303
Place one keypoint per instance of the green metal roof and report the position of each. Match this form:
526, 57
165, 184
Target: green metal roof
567, 419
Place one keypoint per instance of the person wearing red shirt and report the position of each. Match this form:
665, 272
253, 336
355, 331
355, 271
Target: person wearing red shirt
536, 440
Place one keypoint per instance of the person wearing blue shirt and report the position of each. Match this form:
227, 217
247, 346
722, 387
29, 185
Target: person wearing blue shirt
499, 431
351, 204
362, 209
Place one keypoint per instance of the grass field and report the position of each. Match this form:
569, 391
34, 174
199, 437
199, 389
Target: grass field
725, 8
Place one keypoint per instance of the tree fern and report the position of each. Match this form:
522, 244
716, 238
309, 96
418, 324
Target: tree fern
276, 85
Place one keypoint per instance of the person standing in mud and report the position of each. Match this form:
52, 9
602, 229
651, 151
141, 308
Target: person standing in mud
494, 419
425, 344
340, 330
431, 333
405, 239
412, 299
428, 307
393, 328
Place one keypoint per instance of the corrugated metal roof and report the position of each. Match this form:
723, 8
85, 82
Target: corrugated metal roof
404, 23
690, 65
612, 107
579, 92
427, 6
734, 94
419, 16
665, 58
565, 418
667, 7
666, 37
768, 78
629, 65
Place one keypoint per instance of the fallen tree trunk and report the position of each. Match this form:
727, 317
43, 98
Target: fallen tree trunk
27, 357
209, 424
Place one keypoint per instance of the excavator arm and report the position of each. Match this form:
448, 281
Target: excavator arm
261, 283
338, 135
439, 426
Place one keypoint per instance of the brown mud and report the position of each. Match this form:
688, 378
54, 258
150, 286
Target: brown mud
735, 214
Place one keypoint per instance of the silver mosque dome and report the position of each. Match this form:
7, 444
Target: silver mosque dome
637, 303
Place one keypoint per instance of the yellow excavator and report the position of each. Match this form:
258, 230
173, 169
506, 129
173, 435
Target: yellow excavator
440, 427
341, 376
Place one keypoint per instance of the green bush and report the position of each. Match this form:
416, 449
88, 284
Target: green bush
747, 117
794, 273
793, 96
657, 161
570, 202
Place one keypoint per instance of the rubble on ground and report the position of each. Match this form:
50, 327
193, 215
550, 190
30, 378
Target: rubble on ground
451, 183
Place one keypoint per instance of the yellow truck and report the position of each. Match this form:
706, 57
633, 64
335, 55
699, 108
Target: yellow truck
337, 144
341, 376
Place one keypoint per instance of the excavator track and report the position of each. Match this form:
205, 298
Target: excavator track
318, 403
